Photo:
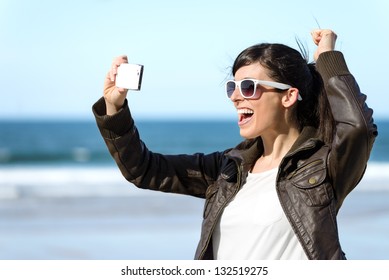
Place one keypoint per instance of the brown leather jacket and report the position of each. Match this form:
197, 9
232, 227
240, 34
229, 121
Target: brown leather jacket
312, 181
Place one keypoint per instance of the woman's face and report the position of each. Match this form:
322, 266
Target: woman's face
258, 117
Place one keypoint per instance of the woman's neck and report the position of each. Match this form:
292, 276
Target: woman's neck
275, 148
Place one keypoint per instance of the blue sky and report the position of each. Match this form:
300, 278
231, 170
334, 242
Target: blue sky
55, 54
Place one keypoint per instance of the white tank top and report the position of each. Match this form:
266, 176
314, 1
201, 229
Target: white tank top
254, 226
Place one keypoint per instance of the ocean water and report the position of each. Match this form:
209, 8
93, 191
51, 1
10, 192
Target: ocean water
75, 143
62, 197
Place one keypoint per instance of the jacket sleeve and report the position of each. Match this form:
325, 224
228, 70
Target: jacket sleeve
183, 174
355, 129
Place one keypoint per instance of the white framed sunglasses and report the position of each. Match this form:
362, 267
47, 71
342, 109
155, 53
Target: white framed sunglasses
248, 87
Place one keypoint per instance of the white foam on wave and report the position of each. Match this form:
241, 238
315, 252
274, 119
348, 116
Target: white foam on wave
26, 181
16, 182
376, 177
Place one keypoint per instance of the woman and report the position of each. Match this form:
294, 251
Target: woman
276, 195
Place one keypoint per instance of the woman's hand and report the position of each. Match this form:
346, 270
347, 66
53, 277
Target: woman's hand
324, 39
114, 97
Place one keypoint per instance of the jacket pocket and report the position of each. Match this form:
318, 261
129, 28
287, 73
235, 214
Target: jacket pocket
312, 183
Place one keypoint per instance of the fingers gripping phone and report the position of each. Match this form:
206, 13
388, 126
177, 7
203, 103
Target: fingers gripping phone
129, 76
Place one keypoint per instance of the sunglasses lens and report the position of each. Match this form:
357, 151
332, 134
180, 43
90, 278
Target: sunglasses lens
230, 88
248, 88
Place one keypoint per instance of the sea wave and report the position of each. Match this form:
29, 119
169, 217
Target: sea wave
74, 181
27, 181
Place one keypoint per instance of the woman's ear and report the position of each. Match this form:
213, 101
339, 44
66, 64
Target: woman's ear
290, 97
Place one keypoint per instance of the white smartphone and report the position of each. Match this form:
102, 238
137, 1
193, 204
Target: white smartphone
129, 76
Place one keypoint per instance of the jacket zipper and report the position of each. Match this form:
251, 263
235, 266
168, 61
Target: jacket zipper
310, 146
239, 183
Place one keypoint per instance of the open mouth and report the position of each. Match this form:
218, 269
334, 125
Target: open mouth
244, 116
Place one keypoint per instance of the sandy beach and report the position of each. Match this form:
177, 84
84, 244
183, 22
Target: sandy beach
151, 225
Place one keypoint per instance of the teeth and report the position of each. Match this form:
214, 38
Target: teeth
245, 111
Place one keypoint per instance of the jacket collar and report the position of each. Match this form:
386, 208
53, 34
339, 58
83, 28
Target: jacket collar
248, 151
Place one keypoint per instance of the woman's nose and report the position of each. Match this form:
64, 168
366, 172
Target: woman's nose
236, 95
